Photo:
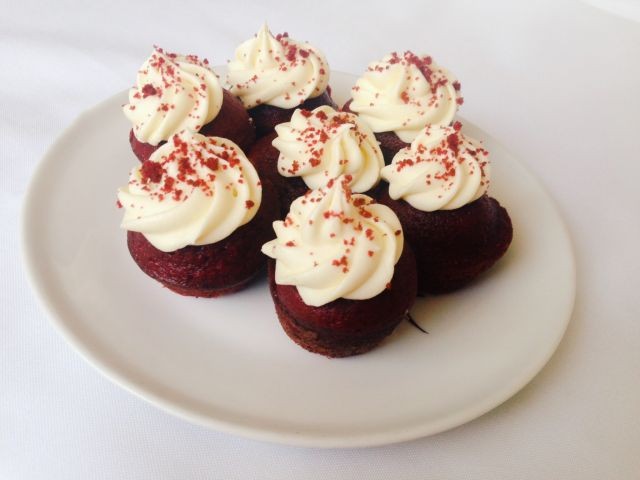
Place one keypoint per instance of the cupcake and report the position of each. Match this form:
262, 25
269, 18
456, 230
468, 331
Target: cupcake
197, 214
272, 76
175, 93
341, 277
402, 94
438, 188
314, 147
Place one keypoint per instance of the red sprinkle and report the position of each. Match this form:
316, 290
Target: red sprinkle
148, 90
211, 162
291, 53
151, 171
168, 184
453, 141
342, 262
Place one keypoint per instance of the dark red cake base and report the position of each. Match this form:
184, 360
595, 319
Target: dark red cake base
390, 143
232, 122
266, 117
216, 269
346, 327
453, 247
264, 158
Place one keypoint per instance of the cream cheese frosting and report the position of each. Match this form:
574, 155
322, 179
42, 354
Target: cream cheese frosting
172, 93
335, 244
278, 71
443, 169
404, 93
323, 144
194, 190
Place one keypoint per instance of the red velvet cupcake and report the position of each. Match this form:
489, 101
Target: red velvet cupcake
314, 147
273, 76
438, 189
402, 94
342, 278
175, 93
197, 214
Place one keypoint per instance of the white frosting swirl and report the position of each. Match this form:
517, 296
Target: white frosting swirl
194, 190
323, 144
172, 93
276, 71
441, 170
333, 244
405, 93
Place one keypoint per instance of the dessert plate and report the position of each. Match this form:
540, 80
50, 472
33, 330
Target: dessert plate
225, 363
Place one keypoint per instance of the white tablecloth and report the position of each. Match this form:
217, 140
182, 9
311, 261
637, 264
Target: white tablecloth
557, 82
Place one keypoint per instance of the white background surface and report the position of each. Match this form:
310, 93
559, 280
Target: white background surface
556, 82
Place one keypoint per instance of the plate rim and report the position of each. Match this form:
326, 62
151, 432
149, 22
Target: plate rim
45, 298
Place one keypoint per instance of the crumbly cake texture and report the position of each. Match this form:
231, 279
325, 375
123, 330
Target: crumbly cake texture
390, 143
211, 270
344, 327
266, 117
453, 247
264, 157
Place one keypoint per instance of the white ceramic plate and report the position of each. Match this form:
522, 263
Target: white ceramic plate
226, 363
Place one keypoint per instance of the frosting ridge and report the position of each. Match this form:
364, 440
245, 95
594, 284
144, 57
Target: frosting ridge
322, 144
443, 169
172, 93
276, 70
194, 190
335, 244
404, 93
